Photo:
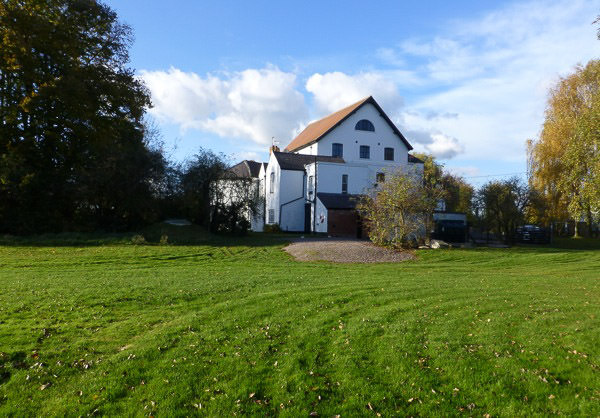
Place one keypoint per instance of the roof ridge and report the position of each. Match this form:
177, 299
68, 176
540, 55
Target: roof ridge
341, 110
317, 129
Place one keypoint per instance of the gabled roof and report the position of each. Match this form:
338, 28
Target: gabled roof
317, 130
246, 168
338, 200
290, 161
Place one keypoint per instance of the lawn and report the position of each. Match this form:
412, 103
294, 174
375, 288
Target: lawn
204, 325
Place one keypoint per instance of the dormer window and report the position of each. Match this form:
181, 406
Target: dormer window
364, 125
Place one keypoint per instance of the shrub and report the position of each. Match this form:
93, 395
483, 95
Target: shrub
271, 228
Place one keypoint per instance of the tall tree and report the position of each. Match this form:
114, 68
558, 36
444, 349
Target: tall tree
458, 194
72, 147
502, 205
564, 163
433, 191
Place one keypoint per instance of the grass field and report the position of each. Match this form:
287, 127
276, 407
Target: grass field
97, 325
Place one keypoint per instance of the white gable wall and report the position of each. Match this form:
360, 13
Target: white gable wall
384, 136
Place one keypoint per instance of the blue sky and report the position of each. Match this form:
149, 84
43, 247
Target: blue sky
464, 80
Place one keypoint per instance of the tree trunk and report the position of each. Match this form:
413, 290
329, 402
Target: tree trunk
588, 218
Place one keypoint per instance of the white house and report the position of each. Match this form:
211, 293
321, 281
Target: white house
312, 185
254, 172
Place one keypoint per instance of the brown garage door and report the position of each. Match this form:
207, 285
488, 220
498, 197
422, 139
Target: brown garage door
342, 222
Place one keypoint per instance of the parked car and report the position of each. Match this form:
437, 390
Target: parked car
532, 234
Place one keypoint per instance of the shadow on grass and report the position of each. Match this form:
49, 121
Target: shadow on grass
153, 235
576, 244
190, 235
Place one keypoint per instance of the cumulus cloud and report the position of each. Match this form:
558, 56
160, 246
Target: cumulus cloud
254, 104
335, 90
433, 142
444, 146
493, 73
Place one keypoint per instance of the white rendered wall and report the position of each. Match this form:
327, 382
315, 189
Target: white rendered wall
352, 139
291, 196
360, 177
321, 221
272, 199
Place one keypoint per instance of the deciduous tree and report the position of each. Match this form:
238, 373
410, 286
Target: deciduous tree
501, 206
394, 210
564, 163
73, 152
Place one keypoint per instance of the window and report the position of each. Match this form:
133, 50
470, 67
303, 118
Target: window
271, 216
272, 182
310, 185
344, 183
380, 177
337, 150
364, 125
388, 154
365, 151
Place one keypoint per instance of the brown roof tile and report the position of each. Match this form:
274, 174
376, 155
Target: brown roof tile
314, 131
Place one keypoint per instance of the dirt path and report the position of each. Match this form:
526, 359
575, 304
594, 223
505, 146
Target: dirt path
344, 251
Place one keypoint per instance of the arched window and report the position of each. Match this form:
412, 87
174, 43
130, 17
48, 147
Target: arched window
364, 125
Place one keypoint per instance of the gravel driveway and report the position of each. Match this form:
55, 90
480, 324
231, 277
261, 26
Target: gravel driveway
344, 251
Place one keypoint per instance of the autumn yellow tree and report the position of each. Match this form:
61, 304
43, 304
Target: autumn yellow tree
564, 163
394, 211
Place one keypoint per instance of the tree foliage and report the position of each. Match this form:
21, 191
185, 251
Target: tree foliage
501, 206
440, 185
564, 163
209, 194
458, 195
73, 152
394, 210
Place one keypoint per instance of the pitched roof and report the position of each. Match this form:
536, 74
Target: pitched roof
290, 161
246, 168
317, 130
338, 200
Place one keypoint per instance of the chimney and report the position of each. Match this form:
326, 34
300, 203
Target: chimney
273, 148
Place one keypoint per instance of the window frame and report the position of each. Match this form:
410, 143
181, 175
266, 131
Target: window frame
344, 183
340, 148
385, 154
366, 148
271, 216
364, 125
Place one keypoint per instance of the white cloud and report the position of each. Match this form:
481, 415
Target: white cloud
444, 146
247, 155
335, 90
254, 104
464, 171
493, 73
